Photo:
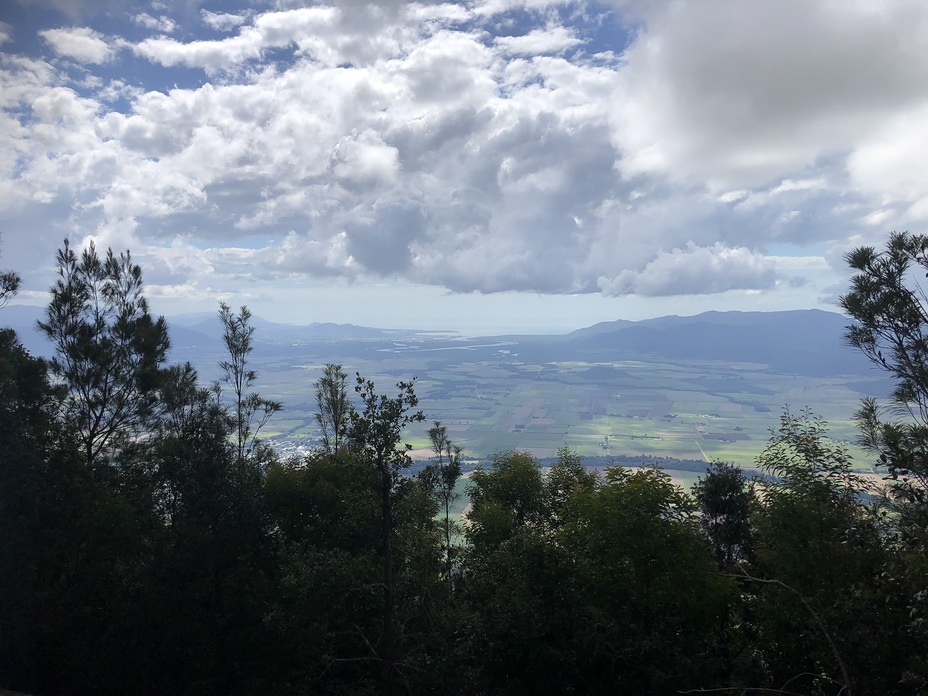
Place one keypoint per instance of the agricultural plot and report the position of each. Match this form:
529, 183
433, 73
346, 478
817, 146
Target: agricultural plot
493, 398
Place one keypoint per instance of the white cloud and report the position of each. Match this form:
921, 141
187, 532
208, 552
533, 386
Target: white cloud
211, 56
694, 271
891, 163
366, 160
220, 21
745, 93
539, 41
798, 263
162, 23
425, 142
80, 43
299, 27
445, 13
492, 8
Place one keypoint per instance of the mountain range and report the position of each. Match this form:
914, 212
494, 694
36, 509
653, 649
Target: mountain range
790, 342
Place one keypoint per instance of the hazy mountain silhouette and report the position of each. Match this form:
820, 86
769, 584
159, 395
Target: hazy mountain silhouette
797, 342
805, 342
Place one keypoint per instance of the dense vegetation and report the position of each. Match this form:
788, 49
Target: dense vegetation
150, 543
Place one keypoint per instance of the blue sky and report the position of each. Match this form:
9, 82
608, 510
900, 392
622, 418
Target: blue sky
486, 166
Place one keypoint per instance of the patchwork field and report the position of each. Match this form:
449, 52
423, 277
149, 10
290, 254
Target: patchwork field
492, 398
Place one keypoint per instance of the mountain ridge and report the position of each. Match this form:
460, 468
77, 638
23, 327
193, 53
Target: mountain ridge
792, 341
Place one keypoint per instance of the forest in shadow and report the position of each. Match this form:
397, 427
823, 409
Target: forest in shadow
151, 542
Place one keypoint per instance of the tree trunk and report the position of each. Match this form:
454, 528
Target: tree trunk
387, 647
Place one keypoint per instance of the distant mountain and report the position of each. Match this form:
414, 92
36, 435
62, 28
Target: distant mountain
272, 332
603, 327
804, 342
798, 342
202, 331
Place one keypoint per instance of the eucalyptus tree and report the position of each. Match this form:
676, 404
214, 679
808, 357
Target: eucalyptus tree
725, 497
375, 435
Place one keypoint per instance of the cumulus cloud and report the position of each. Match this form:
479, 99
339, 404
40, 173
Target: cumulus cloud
300, 27
694, 270
494, 146
540, 41
80, 43
737, 93
891, 163
161, 23
211, 56
221, 21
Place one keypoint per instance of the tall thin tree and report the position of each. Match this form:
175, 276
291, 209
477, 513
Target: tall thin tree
250, 411
332, 407
376, 435
442, 477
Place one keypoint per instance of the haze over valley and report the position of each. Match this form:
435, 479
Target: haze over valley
696, 388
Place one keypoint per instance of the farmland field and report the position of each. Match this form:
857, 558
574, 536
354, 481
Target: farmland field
491, 397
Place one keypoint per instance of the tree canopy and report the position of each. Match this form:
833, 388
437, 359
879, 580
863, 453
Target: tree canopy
151, 542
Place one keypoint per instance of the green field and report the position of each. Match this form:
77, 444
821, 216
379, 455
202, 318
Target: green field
493, 400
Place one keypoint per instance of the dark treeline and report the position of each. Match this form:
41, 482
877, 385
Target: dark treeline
150, 543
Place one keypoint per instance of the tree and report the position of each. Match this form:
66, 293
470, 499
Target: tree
206, 587
889, 304
246, 406
653, 601
820, 564
108, 347
71, 545
563, 482
518, 582
332, 407
724, 497
442, 478
505, 499
375, 435
588, 584
9, 286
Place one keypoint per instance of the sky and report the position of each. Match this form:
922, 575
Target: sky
488, 166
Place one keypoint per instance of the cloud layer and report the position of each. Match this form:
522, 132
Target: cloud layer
651, 149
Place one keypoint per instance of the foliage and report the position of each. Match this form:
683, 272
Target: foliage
69, 544
200, 564
654, 600
819, 564
332, 407
518, 582
563, 482
211, 564
108, 348
9, 286
441, 477
725, 497
375, 437
504, 499
888, 303
889, 306
800, 457
250, 410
